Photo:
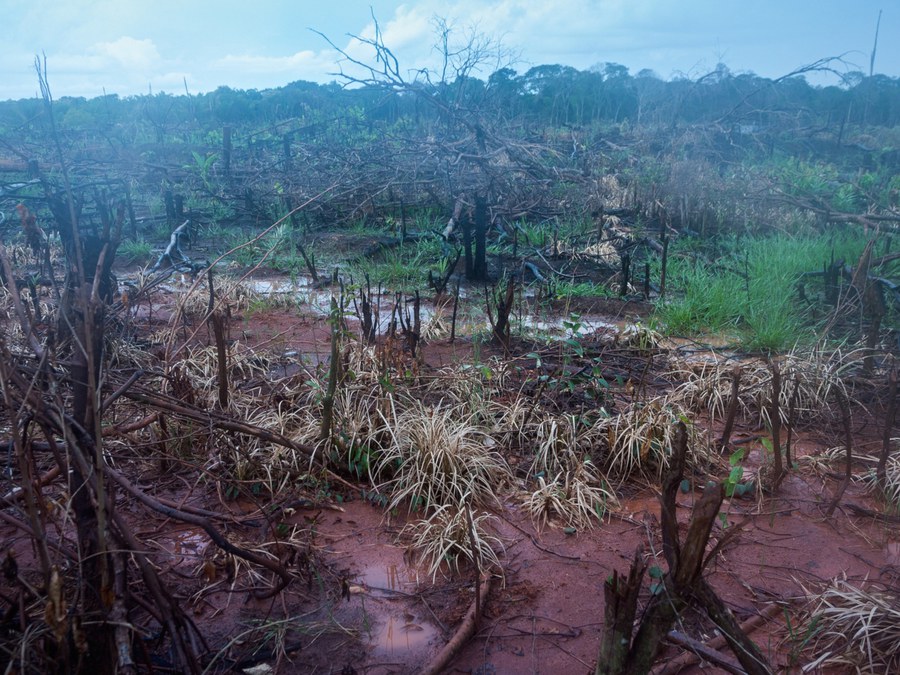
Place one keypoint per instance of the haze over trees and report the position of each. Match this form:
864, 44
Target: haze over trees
481, 211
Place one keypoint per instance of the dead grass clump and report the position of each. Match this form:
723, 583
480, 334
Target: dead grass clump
448, 536
810, 380
201, 365
439, 456
578, 498
559, 442
237, 294
570, 488
639, 336
891, 478
437, 325
857, 628
474, 386
511, 421
639, 440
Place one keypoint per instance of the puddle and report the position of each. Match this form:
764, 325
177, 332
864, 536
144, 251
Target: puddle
382, 579
585, 325
185, 546
304, 293
402, 633
397, 625
301, 290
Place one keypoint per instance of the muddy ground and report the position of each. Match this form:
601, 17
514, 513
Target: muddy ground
360, 603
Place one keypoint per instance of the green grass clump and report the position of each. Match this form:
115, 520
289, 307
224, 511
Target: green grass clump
751, 290
135, 251
404, 267
563, 289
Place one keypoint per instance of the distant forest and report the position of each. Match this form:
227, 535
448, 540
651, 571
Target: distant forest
715, 151
546, 95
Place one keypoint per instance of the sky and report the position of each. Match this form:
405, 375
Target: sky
132, 47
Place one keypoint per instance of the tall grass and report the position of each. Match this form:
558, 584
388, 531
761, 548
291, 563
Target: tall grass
403, 268
751, 290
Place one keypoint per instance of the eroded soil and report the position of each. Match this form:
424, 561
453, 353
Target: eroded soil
361, 603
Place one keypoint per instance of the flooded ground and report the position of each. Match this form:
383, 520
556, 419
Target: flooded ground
361, 602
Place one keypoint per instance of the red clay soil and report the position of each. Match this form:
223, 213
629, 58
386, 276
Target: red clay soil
546, 614
367, 609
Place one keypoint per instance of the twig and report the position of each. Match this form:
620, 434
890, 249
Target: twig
706, 653
844, 405
688, 658
217, 537
881, 470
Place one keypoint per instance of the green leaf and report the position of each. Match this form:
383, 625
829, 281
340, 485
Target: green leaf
736, 457
656, 572
685, 486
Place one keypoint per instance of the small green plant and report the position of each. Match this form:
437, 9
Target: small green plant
800, 641
136, 251
202, 165
734, 485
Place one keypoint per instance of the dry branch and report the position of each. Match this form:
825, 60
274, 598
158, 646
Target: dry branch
215, 420
466, 630
217, 537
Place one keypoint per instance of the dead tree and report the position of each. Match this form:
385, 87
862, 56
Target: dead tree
624, 651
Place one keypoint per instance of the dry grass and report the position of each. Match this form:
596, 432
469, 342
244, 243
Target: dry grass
640, 440
816, 374
639, 336
438, 456
570, 488
447, 537
892, 477
858, 628
234, 293
576, 498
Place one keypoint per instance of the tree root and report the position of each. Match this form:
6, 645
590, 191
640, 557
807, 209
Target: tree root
465, 631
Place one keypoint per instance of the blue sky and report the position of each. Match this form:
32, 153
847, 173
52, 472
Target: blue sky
132, 46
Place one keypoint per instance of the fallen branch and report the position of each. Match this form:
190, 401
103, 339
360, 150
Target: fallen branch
214, 534
707, 653
172, 249
862, 511
688, 658
465, 631
692, 656
217, 420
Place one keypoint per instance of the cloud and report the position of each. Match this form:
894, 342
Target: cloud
128, 52
249, 63
250, 71
124, 45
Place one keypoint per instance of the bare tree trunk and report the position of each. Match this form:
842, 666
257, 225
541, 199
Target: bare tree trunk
775, 418
479, 271
889, 418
